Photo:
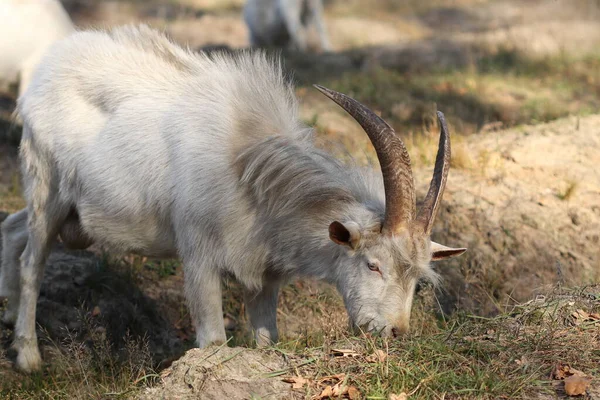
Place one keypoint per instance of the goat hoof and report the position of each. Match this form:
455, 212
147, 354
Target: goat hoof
28, 359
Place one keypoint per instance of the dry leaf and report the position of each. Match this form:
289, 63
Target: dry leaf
401, 396
579, 316
353, 393
338, 390
344, 353
332, 378
576, 385
562, 371
297, 382
377, 356
330, 391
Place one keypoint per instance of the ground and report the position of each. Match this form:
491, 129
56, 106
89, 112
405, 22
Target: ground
519, 84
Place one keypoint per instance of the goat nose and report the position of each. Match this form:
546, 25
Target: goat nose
399, 330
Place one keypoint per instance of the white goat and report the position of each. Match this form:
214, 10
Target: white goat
287, 23
142, 146
27, 29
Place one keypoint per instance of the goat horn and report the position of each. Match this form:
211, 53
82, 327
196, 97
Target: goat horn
393, 158
429, 209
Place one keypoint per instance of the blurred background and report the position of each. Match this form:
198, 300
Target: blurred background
518, 80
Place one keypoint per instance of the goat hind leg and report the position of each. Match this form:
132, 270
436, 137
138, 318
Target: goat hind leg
45, 217
14, 240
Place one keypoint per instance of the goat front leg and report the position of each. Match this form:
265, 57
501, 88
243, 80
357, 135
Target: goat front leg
261, 307
204, 296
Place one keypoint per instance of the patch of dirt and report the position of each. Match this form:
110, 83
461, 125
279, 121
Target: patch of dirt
223, 373
527, 207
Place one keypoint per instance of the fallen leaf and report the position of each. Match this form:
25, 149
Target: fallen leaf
579, 316
353, 393
560, 371
338, 390
327, 392
563, 371
297, 382
377, 356
576, 385
401, 396
332, 378
344, 353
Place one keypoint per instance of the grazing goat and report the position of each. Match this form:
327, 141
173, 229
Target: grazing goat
144, 147
28, 28
287, 23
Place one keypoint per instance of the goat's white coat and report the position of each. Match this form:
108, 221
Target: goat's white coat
297, 24
27, 29
168, 153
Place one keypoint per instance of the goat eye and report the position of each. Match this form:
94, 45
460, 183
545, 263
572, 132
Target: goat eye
373, 266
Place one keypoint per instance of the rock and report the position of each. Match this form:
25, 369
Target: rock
222, 373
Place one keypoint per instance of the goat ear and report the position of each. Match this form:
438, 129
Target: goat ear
347, 234
441, 252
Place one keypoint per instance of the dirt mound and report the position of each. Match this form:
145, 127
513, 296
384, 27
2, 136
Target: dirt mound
223, 373
525, 202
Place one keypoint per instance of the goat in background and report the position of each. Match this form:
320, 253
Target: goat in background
27, 30
297, 24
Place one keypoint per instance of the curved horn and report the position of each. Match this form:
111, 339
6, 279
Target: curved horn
393, 157
429, 209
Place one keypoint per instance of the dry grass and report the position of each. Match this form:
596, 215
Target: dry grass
463, 356
76, 369
504, 89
